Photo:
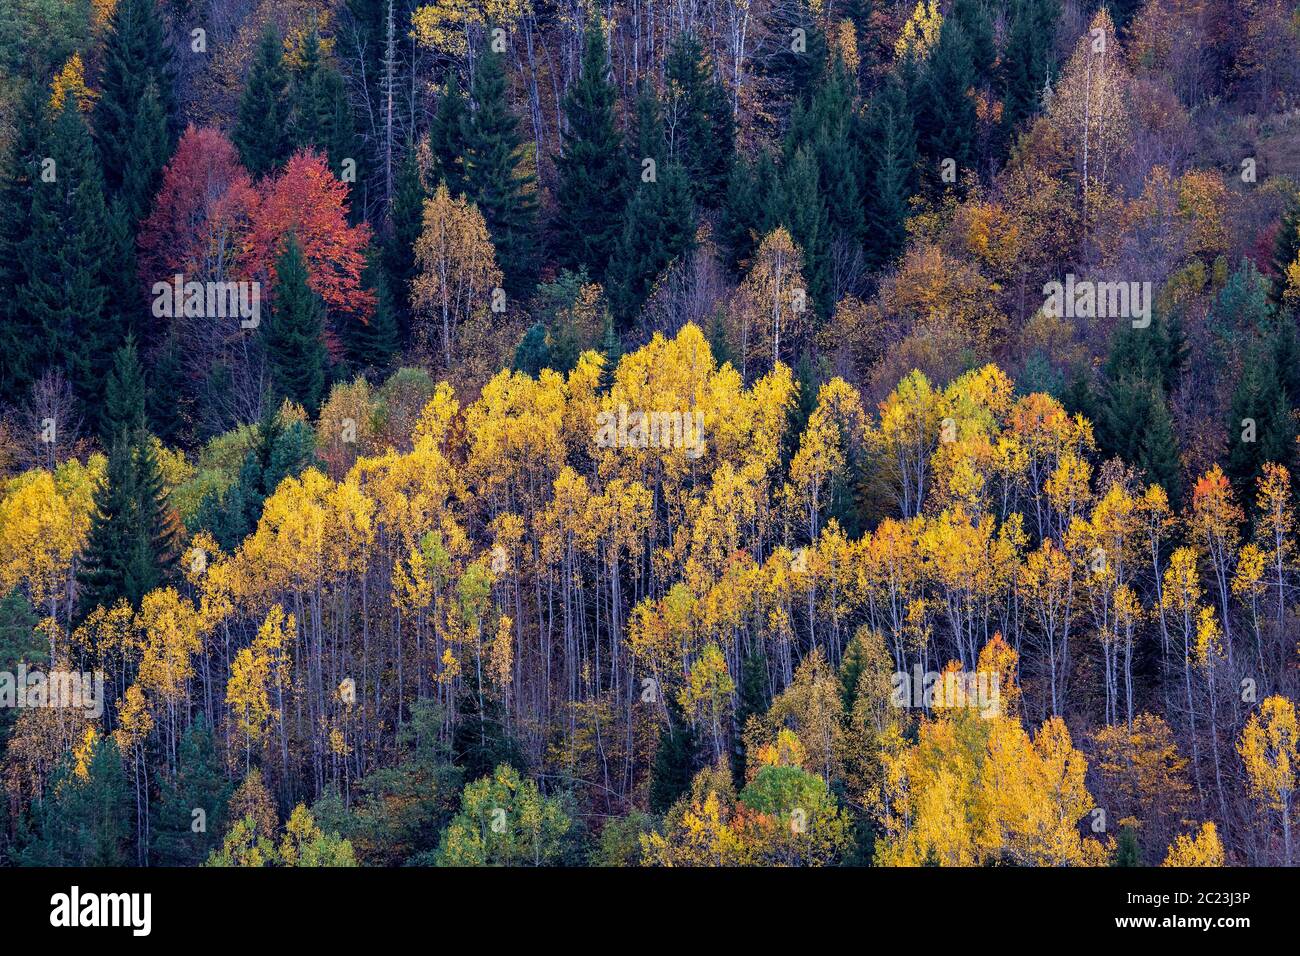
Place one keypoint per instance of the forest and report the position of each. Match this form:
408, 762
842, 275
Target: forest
625, 433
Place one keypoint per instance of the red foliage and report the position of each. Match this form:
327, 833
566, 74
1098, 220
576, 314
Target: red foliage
307, 200
201, 212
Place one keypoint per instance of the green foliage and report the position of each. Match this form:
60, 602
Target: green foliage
592, 187
293, 336
81, 820
500, 175
505, 820
134, 115
262, 132
180, 837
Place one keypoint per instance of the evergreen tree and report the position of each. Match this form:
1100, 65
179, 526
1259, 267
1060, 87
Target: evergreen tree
136, 109
1286, 247
262, 131
499, 173
703, 131
279, 451
889, 160
372, 345
199, 784
20, 353
1261, 427
406, 221
659, 227
320, 118
1127, 852
676, 760
82, 820
106, 560
169, 398
447, 136
804, 214
945, 116
590, 195
752, 701
64, 303
1026, 60
532, 354
752, 208
1133, 422
124, 395
294, 337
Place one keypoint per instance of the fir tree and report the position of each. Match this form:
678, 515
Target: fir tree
199, 784
804, 214
752, 209
703, 132
294, 337
499, 174
532, 354
659, 227
262, 131
124, 395
134, 115
676, 760
447, 136
82, 821
371, 345
64, 303
889, 159
590, 195
406, 221
20, 353
1261, 427
945, 115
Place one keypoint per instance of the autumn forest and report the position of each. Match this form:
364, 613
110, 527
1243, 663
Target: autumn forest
645, 434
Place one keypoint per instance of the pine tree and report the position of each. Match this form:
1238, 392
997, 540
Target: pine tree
703, 131
752, 209
1133, 422
1261, 428
169, 397
262, 132
294, 337
590, 195
320, 116
135, 113
447, 136
406, 220
889, 159
19, 340
83, 819
532, 354
64, 303
372, 345
499, 173
1026, 60
804, 214
659, 227
676, 760
1286, 248
199, 784
945, 114
124, 395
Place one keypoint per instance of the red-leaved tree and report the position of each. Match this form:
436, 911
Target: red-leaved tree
309, 201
